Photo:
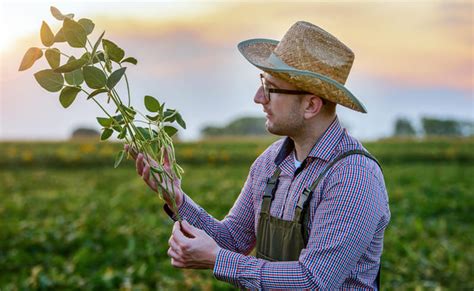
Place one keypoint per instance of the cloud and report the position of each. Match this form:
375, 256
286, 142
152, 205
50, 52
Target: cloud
423, 43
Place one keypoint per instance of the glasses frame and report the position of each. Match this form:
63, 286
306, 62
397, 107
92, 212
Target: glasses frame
267, 91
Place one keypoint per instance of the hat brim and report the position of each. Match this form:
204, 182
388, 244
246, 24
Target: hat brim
259, 53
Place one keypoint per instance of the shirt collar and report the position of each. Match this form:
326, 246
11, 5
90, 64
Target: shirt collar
322, 148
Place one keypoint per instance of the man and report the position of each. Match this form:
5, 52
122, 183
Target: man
314, 204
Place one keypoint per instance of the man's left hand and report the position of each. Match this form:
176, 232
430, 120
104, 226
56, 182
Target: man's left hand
191, 247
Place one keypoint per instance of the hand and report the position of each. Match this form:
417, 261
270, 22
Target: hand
143, 169
191, 247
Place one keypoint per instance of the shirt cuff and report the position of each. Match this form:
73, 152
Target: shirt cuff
226, 266
188, 210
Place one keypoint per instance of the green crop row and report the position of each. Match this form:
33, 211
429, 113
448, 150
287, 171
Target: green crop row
93, 154
102, 229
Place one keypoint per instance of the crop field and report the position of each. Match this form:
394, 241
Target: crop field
70, 221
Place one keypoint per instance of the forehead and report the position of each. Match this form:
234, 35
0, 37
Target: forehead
278, 82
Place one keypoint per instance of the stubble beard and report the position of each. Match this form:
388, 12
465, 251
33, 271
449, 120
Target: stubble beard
288, 126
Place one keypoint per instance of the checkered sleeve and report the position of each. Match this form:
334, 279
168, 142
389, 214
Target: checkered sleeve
236, 231
343, 226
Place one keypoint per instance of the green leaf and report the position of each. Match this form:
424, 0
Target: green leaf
115, 53
87, 24
145, 132
129, 60
106, 133
152, 104
153, 118
119, 119
117, 128
71, 65
75, 77
96, 45
123, 133
170, 130
50, 80
31, 56
101, 56
129, 111
169, 115
104, 121
59, 37
68, 95
58, 15
180, 121
115, 77
74, 33
47, 36
119, 158
53, 56
96, 92
94, 77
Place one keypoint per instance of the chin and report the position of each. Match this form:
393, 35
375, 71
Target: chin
274, 130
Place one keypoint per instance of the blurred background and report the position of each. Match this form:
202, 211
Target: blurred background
69, 220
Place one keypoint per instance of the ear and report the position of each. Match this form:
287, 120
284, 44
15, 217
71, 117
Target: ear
312, 106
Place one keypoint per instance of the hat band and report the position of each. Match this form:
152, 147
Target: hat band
277, 62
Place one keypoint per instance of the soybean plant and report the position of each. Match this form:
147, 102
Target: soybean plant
101, 66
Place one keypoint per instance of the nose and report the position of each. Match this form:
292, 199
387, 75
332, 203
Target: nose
259, 97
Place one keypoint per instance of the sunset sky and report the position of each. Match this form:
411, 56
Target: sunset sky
412, 59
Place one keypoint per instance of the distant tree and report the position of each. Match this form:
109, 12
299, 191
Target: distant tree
85, 133
403, 127
211, 131
240, 126
437, 127
247, 126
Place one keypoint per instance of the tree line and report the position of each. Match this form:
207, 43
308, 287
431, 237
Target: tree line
430, 126
403, 127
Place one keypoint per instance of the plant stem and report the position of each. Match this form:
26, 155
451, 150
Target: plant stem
128, 87
145, 147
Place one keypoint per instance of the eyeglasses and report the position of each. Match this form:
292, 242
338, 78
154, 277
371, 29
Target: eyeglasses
267, 91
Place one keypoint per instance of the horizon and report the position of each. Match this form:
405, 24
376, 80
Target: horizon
417, 65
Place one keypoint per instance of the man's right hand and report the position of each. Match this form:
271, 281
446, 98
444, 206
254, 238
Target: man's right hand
143, 169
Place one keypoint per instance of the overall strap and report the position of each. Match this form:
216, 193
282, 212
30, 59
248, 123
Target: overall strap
308, 192
270, 188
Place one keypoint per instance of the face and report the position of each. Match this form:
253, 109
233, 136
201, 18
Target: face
284, 112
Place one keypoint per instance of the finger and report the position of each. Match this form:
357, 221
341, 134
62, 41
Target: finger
139, 164
175, 247
179, 237
189, 230
146, 177
177, 264
174, 255
130, 151
166, 160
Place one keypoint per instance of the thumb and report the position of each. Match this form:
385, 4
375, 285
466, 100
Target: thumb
189, 229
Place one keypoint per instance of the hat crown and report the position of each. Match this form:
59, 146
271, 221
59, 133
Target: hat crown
308, 47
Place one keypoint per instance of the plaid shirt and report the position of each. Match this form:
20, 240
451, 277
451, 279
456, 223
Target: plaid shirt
348, 215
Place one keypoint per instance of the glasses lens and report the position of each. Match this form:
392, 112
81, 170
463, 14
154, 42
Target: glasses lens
266, 92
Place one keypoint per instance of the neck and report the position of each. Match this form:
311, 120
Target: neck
307, 137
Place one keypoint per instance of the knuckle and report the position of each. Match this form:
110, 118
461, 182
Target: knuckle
185, 247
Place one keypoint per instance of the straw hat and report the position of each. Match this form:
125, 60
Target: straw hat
309, 58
